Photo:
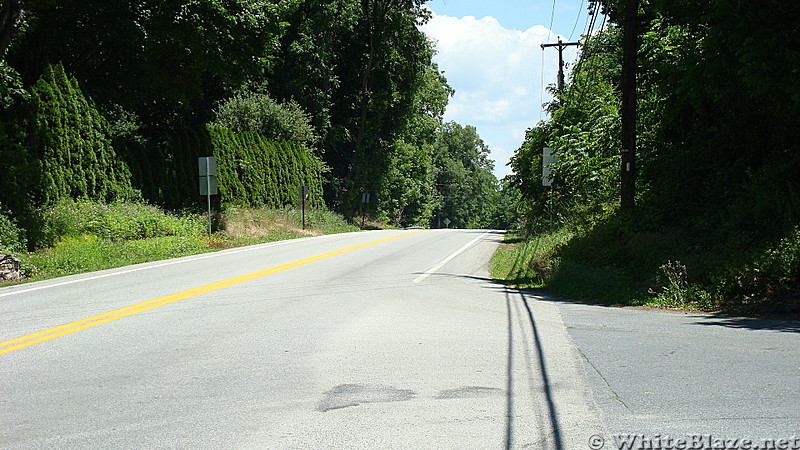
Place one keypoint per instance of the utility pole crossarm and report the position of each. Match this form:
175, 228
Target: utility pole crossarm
560, 46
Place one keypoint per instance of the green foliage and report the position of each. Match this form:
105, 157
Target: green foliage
259, 113
717, 156
88, 236
464, 181
79, 254
358, 68
153, 57
56, 145
355, 104
11, 89
407, 194
115, 221
256, 172
12, 237
544, 262
529, 263
251, 170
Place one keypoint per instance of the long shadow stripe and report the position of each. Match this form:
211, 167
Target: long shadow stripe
545, 378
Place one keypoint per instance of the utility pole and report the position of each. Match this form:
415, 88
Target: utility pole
560, 46
628, 114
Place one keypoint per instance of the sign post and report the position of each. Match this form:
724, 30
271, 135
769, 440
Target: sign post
548, 160
207, 169
364, 201
302, 192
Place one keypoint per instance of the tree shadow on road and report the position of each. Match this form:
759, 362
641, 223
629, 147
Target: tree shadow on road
703, 318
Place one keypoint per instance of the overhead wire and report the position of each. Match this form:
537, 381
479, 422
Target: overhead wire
577, 18
541, 81
541, 84
586, 57
552, 15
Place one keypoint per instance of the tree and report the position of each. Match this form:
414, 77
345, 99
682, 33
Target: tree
464, 179
356, 66
157, 58
11, 19
259, 113
57, 146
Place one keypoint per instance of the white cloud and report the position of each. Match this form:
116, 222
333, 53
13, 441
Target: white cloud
497, 75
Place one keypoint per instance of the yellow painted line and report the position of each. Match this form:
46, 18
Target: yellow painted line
13, 345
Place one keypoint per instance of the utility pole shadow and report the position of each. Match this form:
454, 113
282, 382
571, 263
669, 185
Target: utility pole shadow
552, 414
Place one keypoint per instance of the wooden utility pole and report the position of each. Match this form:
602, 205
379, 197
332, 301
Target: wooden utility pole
560, 46
628, 114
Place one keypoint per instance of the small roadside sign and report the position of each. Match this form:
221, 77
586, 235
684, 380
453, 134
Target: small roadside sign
207, 165
548, 160
446, 222
302, 194
207, 169
208, 185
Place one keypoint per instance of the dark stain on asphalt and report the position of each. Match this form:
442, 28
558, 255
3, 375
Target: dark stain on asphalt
469, 392
347, 395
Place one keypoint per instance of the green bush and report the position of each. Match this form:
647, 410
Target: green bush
67, 149
56, 145
259, 113
79, 254
12, 237
115, 221
251, 170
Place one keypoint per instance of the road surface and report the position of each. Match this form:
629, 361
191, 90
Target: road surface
385, 339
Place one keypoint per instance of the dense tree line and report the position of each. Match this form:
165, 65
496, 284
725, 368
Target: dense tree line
349, 85
718, 147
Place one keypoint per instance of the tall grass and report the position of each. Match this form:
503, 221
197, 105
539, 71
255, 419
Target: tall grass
82, 236
119, 221
655, 269
529, 263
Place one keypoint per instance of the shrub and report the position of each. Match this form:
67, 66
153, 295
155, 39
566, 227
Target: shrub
115, 221
259, 113
12, 237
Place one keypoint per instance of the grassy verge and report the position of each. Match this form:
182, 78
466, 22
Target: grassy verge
656, 269
85, 236
538, 264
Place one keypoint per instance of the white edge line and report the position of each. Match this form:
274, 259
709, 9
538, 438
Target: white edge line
169, 263
433, 269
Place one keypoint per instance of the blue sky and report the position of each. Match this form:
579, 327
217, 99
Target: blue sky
518, 14
490, 53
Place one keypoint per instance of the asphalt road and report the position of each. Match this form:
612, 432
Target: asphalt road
386, 339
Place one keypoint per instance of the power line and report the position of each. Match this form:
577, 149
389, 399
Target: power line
560, 47
588, 56
552, 15
580, 9
541, 84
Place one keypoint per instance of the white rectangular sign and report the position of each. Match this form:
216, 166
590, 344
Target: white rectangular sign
207, 165
548, 160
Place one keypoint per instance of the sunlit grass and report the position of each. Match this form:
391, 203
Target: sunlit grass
86, 236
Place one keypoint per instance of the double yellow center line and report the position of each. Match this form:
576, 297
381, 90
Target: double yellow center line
69, 328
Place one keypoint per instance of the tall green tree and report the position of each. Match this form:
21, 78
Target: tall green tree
464, 180
259, 113
356, 66
157, 58
407, 195
57, 145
